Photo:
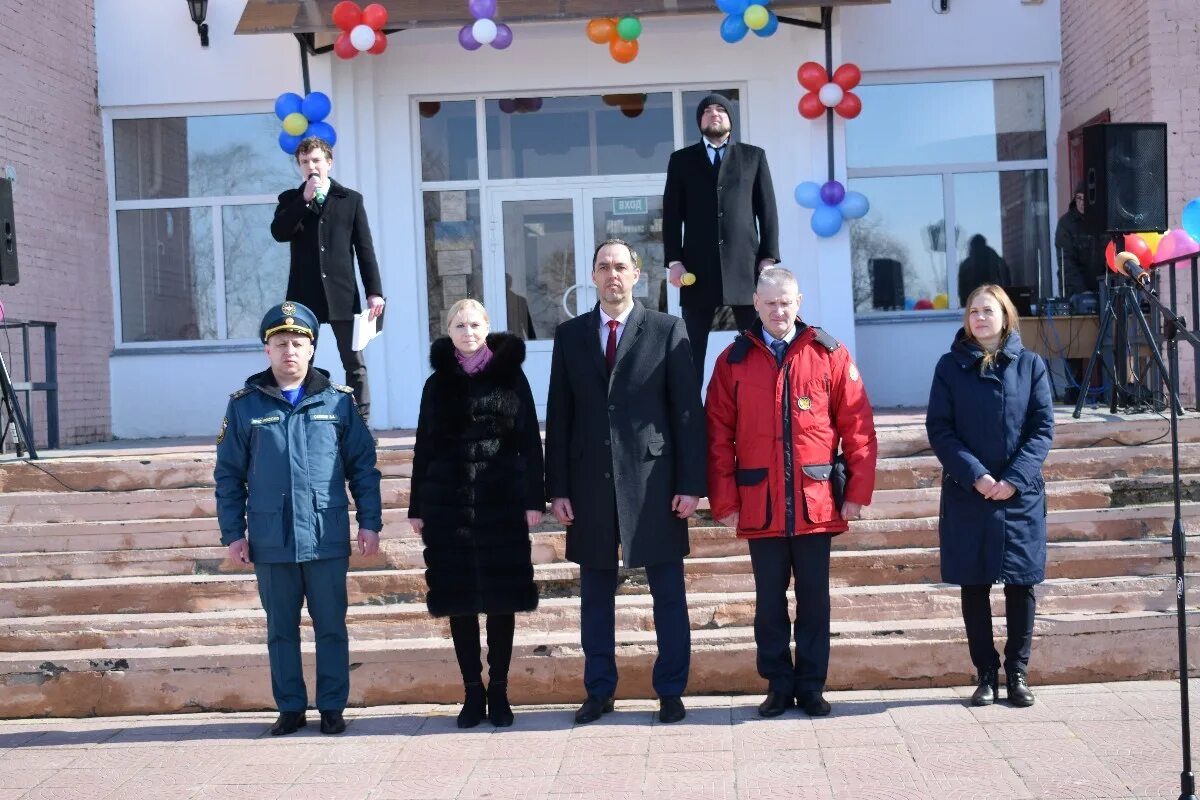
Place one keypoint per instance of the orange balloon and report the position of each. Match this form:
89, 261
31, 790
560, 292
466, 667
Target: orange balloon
601, 30
622, 51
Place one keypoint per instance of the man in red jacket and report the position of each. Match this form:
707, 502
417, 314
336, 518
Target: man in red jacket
785, 381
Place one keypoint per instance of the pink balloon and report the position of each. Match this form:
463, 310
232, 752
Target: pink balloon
1174, 244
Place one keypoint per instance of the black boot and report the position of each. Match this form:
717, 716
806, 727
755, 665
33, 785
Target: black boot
288, 723
499, 711
474, 706
989, 688
1019, 695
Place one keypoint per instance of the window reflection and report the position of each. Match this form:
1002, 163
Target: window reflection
256, 267
453, 266
539, 263
448, 148
167, 273
1010, 210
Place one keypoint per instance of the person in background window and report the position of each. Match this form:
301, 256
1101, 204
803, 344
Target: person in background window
982, 265
990, 423
326, 226
719, 223
519, 318
476, 491
1080, 262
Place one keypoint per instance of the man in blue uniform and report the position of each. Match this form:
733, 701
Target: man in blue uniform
289, 444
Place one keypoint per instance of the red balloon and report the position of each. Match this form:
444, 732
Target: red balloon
1133, 244
374, 16
924, 304
850, 107
811, 106
847, 76
812, 76
346, 15
344, 48
380, 44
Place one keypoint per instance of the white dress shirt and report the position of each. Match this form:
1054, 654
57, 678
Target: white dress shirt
604, 319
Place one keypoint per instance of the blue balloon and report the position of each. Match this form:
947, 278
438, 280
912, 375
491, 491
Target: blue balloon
316, 106
734, 28
771, 26
855, 205
287, 103
288, 143
324, 131
826, 221
808, 194
1191, 219
909, 303
734, 7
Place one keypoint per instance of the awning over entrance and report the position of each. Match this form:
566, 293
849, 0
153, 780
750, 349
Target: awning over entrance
316, 16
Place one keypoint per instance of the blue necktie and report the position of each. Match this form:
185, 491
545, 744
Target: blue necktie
778, 347
717, 156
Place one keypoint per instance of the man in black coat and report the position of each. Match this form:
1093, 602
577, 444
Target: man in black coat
1079, 258
625, 468
326, 225
719, 223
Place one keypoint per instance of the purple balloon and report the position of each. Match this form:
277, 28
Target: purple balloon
467, 39
503, 37
507, 105
832, 193
482, 9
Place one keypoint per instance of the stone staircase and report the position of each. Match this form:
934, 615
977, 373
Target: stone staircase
116, 598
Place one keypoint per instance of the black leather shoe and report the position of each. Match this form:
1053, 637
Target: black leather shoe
988, 691
813, 704
332, 722
1019, 695
499, 711
474, 706
775, 704
670, 709
592, 708
288, 722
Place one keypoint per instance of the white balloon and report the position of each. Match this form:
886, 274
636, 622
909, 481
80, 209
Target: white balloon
484, 31
831, 94
362, 37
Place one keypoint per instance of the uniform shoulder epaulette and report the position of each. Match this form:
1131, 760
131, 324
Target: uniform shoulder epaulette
240, 393
741, 348
341, 387
825, 339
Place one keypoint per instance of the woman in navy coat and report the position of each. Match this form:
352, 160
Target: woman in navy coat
991, 423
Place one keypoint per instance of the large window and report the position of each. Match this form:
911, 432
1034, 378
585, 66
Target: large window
956, 173
194, 202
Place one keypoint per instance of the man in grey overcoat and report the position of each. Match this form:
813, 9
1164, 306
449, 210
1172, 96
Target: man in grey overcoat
625, 468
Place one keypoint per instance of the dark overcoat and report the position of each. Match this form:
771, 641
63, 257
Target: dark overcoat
324, 239
620, 447
477, 468
999, 423
720, 226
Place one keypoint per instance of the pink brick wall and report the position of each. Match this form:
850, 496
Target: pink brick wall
50, 134
1141, 60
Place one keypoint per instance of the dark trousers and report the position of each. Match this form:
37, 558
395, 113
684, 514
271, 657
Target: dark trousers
598, 611
1019, 606
283, 588
775, 561
698, 321
353, 363
465, 632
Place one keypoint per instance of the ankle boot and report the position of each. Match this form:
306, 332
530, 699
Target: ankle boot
989, 688
1018, 690
474, 706
499, 711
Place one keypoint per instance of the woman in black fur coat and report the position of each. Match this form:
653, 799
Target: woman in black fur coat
477, 488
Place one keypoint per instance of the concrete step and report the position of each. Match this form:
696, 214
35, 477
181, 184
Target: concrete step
708, 611
177, 593
547, 667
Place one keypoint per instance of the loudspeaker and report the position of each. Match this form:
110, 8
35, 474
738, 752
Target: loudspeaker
1125, 168
9, 275
887, 283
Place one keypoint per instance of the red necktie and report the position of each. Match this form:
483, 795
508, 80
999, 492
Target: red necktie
610, 350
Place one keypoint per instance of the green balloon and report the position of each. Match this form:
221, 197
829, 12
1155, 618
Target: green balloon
629, 28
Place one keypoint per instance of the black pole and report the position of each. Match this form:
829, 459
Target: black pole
827, 24
304, 66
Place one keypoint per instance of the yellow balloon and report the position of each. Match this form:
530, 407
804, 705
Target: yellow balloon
941, 301
688, 278
295, 123
756, 17
1152, 238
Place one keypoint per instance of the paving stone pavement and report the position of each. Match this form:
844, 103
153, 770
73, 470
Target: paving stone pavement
1095, 741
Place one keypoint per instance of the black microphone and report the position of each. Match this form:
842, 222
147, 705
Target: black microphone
1128, 265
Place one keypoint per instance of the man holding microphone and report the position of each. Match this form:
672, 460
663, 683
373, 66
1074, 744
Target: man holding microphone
326, 226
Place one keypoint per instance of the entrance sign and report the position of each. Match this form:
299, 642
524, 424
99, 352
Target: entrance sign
628, 206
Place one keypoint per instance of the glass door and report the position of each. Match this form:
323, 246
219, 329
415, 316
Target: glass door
633, 212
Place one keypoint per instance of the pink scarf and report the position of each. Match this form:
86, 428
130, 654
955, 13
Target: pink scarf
474, 362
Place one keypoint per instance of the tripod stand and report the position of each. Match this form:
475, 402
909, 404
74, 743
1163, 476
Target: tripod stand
14, 415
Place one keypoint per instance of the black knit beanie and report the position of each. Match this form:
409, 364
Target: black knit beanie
718, 99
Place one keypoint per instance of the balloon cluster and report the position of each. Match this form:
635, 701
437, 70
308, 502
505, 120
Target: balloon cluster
831, 204
362, 29
621, 36
520, 105
303, 117
940, 302
744, 16
631, 105
485, 29
1153, 247
824, 93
